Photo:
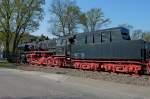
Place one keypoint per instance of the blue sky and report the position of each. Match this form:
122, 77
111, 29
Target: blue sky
133, 12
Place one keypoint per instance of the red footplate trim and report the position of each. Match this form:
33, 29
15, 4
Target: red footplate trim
107, 66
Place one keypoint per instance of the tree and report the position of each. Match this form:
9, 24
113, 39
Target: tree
147, 36
27, 37
28, 14
72, 15
42, 38
137, 34
93, 19
6, 16
18, 17
65, 17
140, 34
58, 10
1, 37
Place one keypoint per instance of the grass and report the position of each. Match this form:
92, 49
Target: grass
5, 64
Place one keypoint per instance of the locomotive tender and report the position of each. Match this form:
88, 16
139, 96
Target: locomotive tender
109, 50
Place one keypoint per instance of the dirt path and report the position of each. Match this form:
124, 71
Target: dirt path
19, 84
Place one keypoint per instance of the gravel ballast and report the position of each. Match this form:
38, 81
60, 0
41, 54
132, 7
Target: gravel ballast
113, 77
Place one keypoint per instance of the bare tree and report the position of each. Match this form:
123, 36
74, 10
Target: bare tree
58, 8
65, 17
83, 22
137, 34
140, 34
72, 15
93, 19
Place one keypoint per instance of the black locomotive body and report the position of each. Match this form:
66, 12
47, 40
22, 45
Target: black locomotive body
105, 36
122, 50
108, 50
113, 43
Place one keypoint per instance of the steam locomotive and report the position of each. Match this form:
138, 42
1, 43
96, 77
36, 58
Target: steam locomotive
109, 50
